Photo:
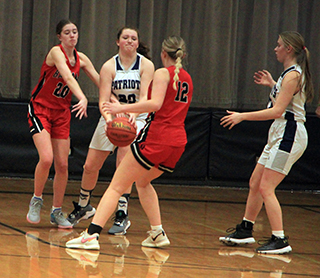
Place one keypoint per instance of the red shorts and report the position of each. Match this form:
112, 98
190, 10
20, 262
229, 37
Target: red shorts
162, 157
55, 121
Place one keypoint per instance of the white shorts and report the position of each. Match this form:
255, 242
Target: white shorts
101, 142
287, 141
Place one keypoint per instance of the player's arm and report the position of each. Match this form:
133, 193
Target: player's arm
88, 68
159, 88
147, 71
106, 76
290, 86
57, 58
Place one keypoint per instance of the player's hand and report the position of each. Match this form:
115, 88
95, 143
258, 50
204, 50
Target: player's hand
81, 107
111, 108
263, 77
132, 119
231, 120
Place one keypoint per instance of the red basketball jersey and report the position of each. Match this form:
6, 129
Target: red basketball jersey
166, 126
51, 90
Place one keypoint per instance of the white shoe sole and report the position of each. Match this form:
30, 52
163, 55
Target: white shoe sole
234, 241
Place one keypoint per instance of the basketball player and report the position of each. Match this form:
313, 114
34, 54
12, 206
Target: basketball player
157, 148
49, 117
125, 77
287, 140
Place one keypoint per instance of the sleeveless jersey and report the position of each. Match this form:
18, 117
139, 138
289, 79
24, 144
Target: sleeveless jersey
51, 90
296, 108
166, 126
126, 83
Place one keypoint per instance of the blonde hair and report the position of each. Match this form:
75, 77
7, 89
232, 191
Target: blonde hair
303, 57
176, 49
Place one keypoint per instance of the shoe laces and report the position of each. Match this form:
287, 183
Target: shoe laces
234, 229
76, 210
268, 240
119, 217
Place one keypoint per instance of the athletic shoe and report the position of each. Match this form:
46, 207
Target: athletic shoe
156, 239
274, 245
85, 241
121, 224
85, 258
57, 218
237, 236
35, 206
79, 213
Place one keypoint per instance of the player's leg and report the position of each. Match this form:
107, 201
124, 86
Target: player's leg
242, 233
121, 219
149, 201
61, 149
128, 171
83, 209
43, 144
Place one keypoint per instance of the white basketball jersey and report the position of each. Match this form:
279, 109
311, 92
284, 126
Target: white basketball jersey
296, 108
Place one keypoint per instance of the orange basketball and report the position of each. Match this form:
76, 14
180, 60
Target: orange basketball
120, 132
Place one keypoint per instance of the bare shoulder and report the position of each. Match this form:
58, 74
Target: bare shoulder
108, 67
162, 73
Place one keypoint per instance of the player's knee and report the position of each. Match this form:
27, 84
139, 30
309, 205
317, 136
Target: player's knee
89, 168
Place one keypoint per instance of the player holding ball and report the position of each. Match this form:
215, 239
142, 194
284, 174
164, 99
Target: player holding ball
125, 79
157, 148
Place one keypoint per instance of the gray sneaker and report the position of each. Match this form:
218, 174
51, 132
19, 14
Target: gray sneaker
57, 218
79, 213
35, 205
121, 224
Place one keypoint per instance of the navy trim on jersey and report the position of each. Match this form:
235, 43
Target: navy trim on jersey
288, 69
145, 163
118, 66
289, 133
137, 63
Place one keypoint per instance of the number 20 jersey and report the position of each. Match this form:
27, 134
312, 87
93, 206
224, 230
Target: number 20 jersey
51, 90
126, 83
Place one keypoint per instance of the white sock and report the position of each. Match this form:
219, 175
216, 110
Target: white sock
279, 234
123, 204
245, 219
55, 208
156, 228
38, 197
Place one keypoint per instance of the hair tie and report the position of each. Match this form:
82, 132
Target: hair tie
178, 49
304, 48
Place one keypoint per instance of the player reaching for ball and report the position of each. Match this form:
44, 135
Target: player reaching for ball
49, 117
124, 78
157, 148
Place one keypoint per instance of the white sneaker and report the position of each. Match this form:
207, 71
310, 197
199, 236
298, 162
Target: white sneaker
35, 206
156, 239
85, 241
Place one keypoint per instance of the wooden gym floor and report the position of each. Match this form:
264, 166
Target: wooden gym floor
193, 217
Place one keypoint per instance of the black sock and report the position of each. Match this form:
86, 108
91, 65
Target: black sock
93, 228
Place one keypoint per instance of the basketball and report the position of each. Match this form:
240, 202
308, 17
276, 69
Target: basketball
120, 132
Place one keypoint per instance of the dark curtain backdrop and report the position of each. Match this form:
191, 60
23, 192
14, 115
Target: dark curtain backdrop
227, 40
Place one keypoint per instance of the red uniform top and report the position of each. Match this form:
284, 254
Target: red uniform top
51, 90
166, 126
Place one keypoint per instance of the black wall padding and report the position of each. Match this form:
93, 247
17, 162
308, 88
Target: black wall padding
214, 155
